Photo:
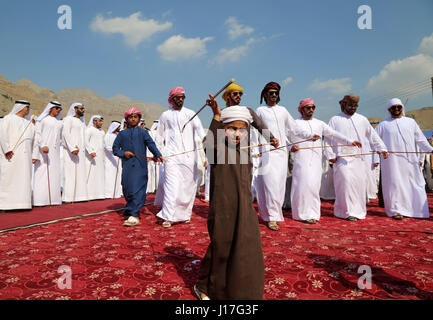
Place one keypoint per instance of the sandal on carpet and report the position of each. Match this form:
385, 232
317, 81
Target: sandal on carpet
353, 219
398, 217
200, 295
273, 226
132, 221
311, 221
188, 221
166, 224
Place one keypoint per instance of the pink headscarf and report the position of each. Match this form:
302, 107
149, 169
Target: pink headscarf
175, 92
132, 110
304, 103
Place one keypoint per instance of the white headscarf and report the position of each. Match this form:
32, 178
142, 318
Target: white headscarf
20, 105
113, 127
405, 134
94, 117
71, 111
122, 124
47, 110
234, 113
394, 102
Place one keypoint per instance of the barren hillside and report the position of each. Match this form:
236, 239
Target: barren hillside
110, 108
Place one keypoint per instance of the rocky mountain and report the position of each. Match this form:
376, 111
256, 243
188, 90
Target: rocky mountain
110, 108
424, 117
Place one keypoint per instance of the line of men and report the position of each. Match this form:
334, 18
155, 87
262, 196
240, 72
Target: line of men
48, 161
347, 141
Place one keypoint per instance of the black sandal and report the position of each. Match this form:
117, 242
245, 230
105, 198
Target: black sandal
353, 219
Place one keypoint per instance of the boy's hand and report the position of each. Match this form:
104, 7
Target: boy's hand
128, 154
160, 159
211, 102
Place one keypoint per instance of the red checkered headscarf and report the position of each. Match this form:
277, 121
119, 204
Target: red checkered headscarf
270, 86
132, 110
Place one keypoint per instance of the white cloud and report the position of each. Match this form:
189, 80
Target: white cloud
335, 86
235, 54
426, 45
134, 29
180, 48
400, 73
236, 29
287, 81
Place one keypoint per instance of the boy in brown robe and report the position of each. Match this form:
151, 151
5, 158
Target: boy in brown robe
233, 266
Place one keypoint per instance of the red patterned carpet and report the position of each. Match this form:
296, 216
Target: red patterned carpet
148, 262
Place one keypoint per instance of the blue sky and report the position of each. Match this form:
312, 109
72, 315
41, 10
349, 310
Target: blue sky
143, 48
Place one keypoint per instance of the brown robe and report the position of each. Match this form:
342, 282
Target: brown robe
233, 266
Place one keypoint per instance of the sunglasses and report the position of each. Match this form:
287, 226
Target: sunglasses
273, 93
352, 105
310, 107
396, 107
237, 93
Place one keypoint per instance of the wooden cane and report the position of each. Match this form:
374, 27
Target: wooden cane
170, 156
356, 154
256, 146
48, 175
409, 152
115, 181
321, 147
288, 145
216, 95
22, 134
90, 169
75, 184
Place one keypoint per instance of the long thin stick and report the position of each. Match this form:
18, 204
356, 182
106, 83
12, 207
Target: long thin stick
409, 152
115, 181
357, 154
22, 134
321, 147
16, 144
256, 146
287, 145
90, 168
216, 95
156, 180
170, 156
75, 184
48, 175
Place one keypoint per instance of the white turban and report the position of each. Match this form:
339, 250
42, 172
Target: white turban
71, 111
46, 112
93, 118
395, 102
234, 113
113, 127
20, 105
